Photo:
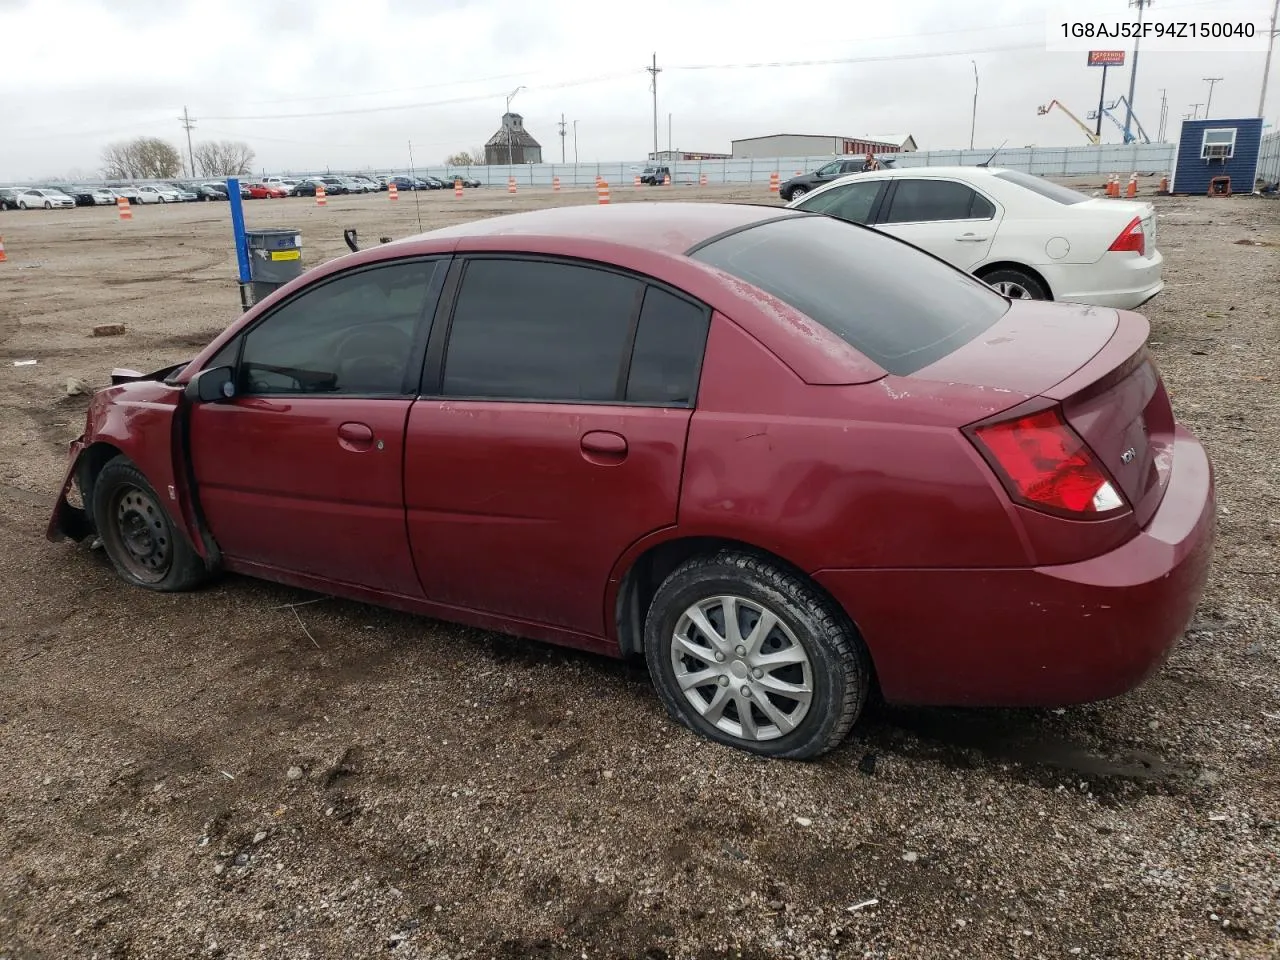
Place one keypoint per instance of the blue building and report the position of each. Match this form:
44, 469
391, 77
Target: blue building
1217, 148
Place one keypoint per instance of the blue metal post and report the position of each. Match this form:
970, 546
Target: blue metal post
237, 227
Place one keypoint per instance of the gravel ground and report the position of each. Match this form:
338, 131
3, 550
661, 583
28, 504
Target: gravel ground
222, 775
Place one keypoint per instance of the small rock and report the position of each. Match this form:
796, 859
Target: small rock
259, 837
804, 821
295, 773
219, 868
77, 388
776, 904
242, 859
109, 330
608, 774
1154, 725
911, 856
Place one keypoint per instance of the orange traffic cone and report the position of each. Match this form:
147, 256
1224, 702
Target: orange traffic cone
602, 191
457, 187
321, 199
511, 184
3, 258
773, 182
122, 206
1132, 190
702, 180
666, 180
637, 182
392, 192
555, 184
1164, 184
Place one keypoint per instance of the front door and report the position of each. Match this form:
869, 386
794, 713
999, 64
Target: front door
947, 218
554, 437
302, 471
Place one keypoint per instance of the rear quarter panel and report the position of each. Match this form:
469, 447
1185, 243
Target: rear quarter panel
871, 475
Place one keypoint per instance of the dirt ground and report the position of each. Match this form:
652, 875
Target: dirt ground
222, 775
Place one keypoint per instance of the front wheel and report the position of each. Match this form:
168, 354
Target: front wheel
1016, 285
137, 534
796, 194
752, 655
48, 204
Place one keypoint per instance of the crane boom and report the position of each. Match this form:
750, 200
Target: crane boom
1093, 139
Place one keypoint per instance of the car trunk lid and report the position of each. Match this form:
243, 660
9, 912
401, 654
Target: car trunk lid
1123, 212
1094, 363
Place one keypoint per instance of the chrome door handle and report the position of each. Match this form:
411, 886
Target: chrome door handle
970, 238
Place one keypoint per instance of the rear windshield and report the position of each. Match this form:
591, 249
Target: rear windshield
898, 306
1046, 188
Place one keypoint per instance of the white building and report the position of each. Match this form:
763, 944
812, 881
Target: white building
805, 145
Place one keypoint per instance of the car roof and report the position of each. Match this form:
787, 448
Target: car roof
671, 226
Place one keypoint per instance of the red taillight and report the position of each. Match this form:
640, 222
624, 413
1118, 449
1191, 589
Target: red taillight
1132, 239
1045, 464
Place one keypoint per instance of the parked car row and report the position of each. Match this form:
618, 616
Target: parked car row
67, 196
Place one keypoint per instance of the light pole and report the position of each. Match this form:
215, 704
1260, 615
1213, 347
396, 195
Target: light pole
1266, 66
506, 122
1195, 111
1133, 71
1210, 81
575, 144
973, 124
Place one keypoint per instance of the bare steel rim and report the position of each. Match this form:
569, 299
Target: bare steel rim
1013, 290
742, 668
143, 542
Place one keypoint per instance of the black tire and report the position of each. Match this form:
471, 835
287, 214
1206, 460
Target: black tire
1017, 280
839, 666
142, 543
48, 204
795, 192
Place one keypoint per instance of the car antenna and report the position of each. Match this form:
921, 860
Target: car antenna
987, 162
413, 176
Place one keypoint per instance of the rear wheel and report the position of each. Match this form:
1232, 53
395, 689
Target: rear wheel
796, 193
752, 655
144, 546
1016, 284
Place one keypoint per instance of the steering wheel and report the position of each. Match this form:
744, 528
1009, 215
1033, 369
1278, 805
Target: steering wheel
373, 355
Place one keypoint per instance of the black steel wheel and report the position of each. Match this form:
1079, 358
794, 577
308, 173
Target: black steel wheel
137, 534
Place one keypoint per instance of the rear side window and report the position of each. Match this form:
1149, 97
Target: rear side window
897, 305
532, 330
1043, 187
667, 356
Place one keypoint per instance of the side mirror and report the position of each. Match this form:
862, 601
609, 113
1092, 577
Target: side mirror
210, 386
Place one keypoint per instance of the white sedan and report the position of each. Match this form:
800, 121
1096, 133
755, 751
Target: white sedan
44, 197
153, 193
1028, 237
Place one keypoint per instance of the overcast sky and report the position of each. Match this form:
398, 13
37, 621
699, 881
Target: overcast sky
375, 74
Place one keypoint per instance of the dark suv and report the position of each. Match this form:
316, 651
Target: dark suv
655, 175
799, 186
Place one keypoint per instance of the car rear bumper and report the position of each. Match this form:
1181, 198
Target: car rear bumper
1122, 281
1042, 636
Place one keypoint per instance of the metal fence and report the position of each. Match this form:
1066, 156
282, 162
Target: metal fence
1269, 158
1152, 158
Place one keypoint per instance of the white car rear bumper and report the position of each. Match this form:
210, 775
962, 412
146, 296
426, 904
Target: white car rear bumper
1122, 280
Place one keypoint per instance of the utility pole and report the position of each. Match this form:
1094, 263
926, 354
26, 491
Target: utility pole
1164, 114
1210, 81
562, 138
575, 143
1102, 96
973, 124
1266, 67
188, 123
1133, 71
1195, 110
653, 72
669, 157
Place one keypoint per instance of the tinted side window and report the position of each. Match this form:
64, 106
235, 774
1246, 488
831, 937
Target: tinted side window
916, 201
532, 330
350, 336
667, 356
853, 201
982, 209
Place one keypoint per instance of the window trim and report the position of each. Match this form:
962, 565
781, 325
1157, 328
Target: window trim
413, 364
432, 384
887, 203
1205, 144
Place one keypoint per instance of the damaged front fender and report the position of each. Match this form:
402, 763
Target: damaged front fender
69, 521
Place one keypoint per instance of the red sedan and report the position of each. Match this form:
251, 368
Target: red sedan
266, 191
781, 456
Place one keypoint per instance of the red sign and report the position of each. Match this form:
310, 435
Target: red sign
1106, 58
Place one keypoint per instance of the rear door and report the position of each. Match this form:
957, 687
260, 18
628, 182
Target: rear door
302, 470
945, 217
553, 436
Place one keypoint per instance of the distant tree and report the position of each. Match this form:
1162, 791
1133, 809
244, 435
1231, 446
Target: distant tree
223, 158
463, 159
145, 158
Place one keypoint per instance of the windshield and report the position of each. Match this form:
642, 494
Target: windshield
1045, 188
900, 307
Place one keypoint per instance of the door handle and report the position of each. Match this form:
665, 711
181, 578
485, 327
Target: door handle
355, 436
604, 443
970, 238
